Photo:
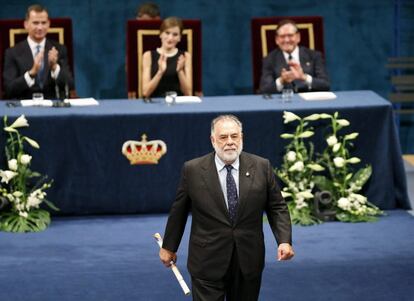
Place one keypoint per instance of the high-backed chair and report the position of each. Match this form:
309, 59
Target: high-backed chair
143, 35
263, 39
12, 31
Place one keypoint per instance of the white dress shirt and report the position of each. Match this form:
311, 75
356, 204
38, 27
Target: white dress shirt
33, 47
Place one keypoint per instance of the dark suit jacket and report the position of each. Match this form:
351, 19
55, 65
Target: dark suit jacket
19, 59
311, 62
213, 236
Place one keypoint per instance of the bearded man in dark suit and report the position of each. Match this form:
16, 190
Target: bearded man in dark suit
227, 192
36, 64
292, 66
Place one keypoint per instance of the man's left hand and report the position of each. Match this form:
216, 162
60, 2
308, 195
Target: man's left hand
297, 70
53, 56
285, 252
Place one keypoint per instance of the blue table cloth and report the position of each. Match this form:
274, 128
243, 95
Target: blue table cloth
81, 146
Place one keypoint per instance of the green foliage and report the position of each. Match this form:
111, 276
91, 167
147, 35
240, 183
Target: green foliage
36, 221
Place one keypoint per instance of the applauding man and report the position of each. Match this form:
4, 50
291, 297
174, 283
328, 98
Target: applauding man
292, 66
36, 64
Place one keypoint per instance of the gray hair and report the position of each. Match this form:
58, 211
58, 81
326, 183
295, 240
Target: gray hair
226, 117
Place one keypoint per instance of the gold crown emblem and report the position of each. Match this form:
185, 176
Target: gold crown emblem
144, 152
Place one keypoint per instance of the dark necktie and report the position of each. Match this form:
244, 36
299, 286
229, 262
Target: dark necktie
232, 197
290, 57
40, 72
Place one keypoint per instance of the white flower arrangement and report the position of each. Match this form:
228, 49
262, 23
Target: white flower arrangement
20, 196
343, 183
301, 181
298, 168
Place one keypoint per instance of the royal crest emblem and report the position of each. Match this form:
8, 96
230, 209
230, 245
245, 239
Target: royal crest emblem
144, 152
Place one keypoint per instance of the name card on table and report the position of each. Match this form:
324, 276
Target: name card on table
315, 96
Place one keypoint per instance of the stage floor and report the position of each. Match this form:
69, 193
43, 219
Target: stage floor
116, 258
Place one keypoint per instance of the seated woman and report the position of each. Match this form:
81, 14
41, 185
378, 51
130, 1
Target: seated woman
167, 68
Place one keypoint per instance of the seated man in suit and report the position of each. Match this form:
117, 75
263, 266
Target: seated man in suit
36, 64
292, 66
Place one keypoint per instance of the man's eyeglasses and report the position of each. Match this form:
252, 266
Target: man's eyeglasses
289, 35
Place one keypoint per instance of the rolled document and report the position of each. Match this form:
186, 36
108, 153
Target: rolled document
174, 268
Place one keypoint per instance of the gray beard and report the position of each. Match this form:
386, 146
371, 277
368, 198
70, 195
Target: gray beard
228, 157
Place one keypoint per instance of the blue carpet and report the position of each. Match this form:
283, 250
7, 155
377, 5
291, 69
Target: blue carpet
116, 258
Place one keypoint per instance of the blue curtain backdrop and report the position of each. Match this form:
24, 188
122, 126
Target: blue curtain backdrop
359, 37
358, 40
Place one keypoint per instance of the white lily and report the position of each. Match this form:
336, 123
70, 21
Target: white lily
289, 116
12, 164
312, 117
339, 162
343, 122
287, 136
17, 194
285, 194
25, 159
358, 198
31, 142
336, 147
291, 156
351, 136
298, 166
353, 160
19, 122
332, 140
325, 116
306, 134
305, 194
23, 214
7, 175
315, 167
344, 203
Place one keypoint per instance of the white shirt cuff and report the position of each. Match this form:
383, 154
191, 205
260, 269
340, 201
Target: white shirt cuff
29, 81
55, 73
279, 85
308, 81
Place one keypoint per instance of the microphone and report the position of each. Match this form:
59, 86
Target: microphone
66, 90
57, 92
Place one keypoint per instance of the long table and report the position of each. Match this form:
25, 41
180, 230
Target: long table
81, 146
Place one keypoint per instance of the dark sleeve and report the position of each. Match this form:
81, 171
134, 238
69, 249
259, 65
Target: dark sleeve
177, 218
268, 77
320, 79
13, 80
277, 211
65, 76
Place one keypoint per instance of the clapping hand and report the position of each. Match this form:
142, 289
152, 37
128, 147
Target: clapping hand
297, 70
181, 62
37, 63
53, 55
287, 76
